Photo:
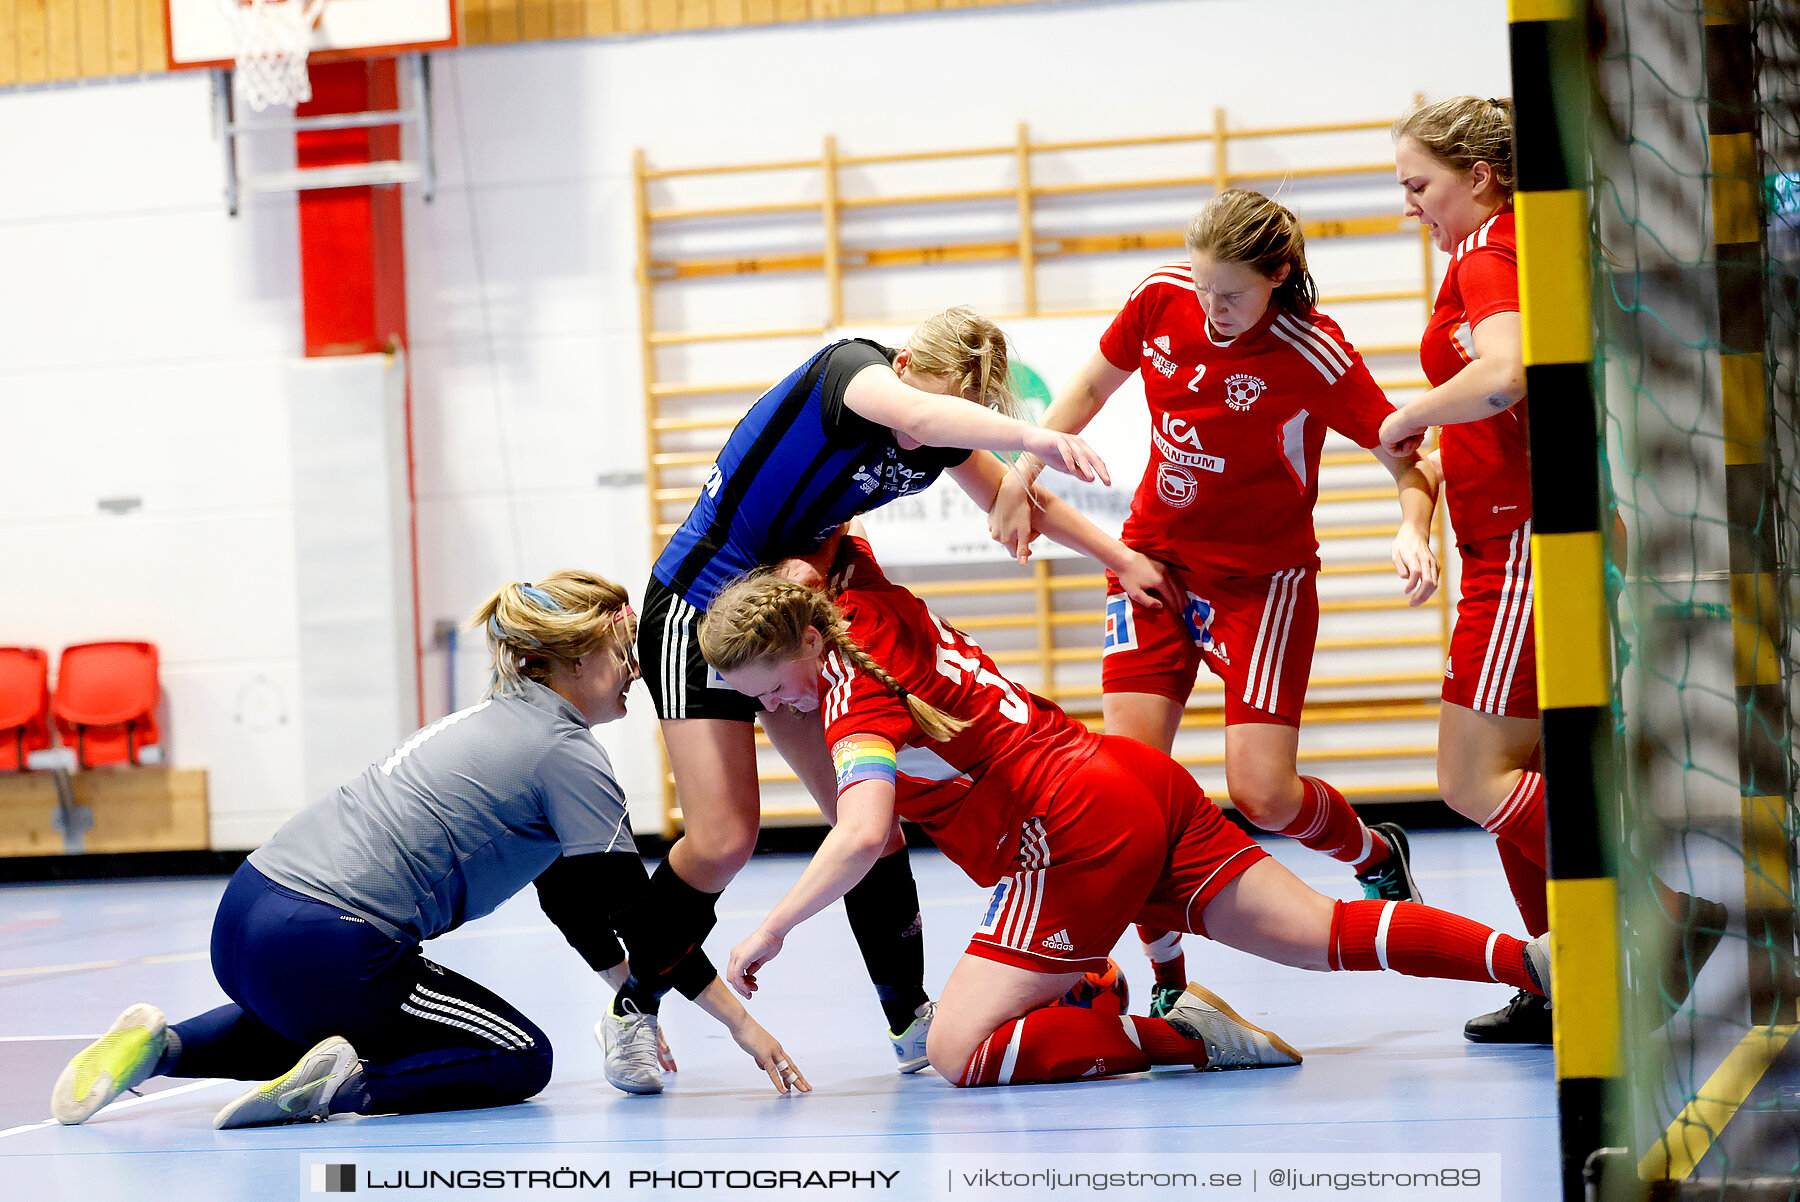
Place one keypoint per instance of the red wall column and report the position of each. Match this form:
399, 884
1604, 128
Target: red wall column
352, 240
353, 253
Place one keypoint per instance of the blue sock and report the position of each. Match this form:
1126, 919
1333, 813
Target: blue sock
352, 1096
171, 1056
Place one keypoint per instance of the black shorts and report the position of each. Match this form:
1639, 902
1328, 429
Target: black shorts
680, 682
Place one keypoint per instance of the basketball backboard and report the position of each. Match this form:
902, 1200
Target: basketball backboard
201, 36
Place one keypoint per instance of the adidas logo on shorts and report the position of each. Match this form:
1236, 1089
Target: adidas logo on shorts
1058, 942
1162, 343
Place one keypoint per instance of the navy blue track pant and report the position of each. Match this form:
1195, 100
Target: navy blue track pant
299, 970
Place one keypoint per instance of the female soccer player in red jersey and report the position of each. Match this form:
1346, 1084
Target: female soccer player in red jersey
1079, 834
855, 427
1242, 375
1453, 159
1454, 162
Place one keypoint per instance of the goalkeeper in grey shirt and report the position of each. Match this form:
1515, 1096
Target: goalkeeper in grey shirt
317, 938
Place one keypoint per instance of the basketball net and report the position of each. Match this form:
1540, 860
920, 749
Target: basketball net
272, 38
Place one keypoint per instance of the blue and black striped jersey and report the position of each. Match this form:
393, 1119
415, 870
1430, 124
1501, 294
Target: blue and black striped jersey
799, 464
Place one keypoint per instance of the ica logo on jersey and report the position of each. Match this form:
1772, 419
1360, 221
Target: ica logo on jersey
1172, 434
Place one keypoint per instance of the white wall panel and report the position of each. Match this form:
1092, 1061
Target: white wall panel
352, 563
183, 439
520, 261
103, 151
549, 413
241, 723
143, 332
183, 285
206, 588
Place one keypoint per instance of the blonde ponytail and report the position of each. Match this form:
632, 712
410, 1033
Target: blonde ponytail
564, 616
966, 348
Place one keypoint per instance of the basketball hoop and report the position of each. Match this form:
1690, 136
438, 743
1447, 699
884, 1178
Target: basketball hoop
272, 39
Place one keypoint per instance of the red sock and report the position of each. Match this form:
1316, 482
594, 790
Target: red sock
1421, 941
1166, 957
1063, 1043
1520, 818
1527, 882
1327, 823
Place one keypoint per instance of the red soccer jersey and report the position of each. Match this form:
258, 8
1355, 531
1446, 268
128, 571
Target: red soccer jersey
1235, 427
1003, 769
1487, 463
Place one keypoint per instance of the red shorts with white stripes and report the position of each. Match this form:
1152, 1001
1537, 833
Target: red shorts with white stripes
1493, 659
1256, 633
1130, 838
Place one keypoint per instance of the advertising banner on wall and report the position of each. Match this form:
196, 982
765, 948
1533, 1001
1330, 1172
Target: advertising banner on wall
943, 526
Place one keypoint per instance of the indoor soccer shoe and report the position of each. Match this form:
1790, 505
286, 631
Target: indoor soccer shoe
119, 1060
1163, 999
1106, 991
1525, 1019
909, 1045
301, 1095
1691, 945
1392, 879
1230, 1041
633, 1058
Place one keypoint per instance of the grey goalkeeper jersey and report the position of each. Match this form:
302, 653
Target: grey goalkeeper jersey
461, 816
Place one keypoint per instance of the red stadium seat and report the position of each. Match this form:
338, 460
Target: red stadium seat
105, 702
24, 705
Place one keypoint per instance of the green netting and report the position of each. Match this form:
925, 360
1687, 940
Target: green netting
1675, 315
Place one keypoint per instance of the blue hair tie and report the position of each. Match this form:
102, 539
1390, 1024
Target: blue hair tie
540, 598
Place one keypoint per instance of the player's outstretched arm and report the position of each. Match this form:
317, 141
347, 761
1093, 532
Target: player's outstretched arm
1150, 582
932, 420
1012, 518
848, 851
750, 1035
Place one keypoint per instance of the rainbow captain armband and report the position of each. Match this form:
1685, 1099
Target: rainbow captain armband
862, 757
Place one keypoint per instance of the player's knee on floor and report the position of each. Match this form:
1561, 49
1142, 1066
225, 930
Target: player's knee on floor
521, 1075
948, 1053
535, 1065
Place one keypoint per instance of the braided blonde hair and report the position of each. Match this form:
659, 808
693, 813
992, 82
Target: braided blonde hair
763, 617
962, 346
564, 616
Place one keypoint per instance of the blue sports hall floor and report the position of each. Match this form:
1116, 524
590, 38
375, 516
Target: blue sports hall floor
1387, 1070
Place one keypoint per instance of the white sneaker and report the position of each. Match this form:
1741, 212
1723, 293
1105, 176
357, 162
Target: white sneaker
633, 1059
909, 1045
301, 1095
1537, 962
1230, 1041
119, 1060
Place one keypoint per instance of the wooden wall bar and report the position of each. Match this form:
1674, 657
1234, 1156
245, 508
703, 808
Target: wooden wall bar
52, 41
1041, 624
55, 41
